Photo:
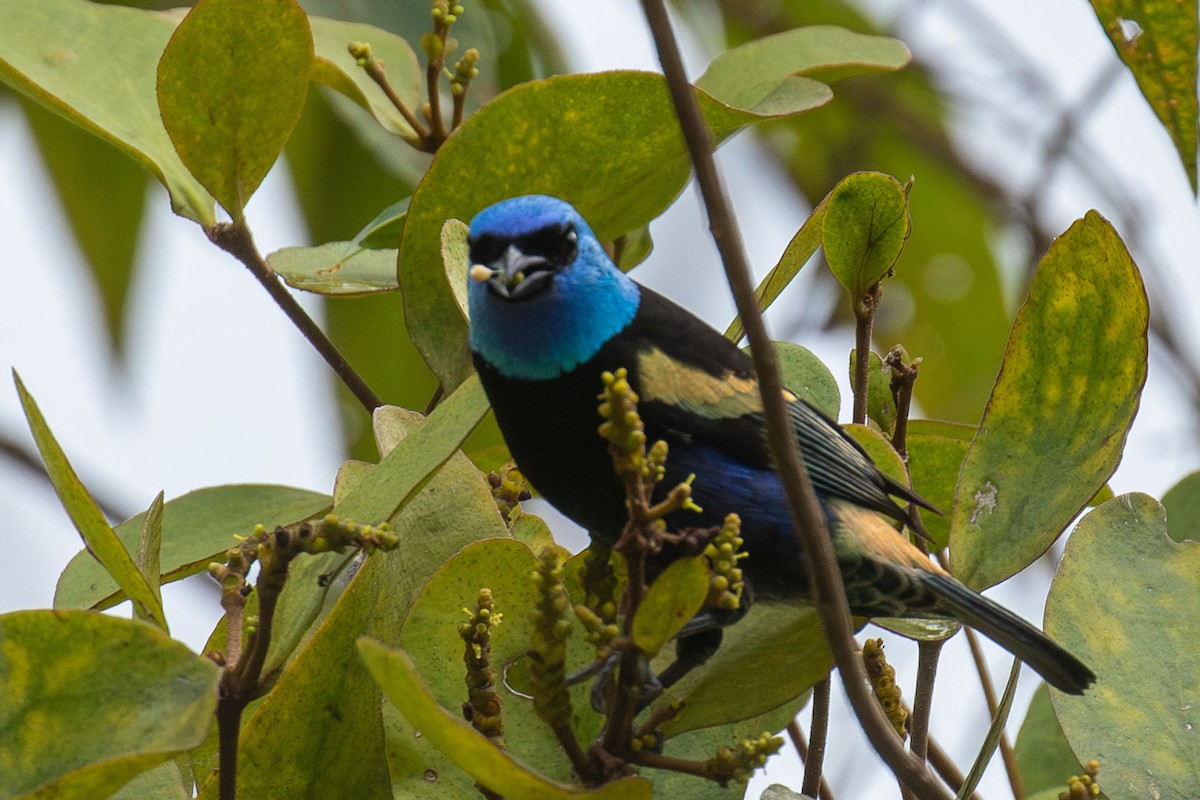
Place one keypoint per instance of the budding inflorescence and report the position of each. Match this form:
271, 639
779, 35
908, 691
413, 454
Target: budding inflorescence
739, 762
551, 627
883, 679
723, 553
623, 426
1085, 786
483, 706
509, 489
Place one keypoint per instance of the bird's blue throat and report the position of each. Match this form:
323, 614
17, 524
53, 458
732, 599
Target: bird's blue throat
562, 327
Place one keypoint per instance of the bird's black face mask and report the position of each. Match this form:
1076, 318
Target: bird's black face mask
517, 268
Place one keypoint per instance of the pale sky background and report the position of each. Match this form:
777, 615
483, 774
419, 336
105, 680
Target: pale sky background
220, 385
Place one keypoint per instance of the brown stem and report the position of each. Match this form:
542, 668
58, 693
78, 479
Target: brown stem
903, 378
229, 727
798, 741
433, 74
375, 70
818, 733
864, 315
928, 653
809, 523
623, 708
648, 758
235, 239
946, 768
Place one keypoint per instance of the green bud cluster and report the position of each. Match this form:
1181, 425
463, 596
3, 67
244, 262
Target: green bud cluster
336, 533
1085, 786
883, 680
723, 553
551, 627
509, 489
623, 426
483, 707
739, 762
465, 71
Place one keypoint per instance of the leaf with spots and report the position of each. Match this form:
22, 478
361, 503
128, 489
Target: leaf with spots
1157, 40
91, 700
1124, 601
1055, 425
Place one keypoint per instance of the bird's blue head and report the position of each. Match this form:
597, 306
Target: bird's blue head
543, 295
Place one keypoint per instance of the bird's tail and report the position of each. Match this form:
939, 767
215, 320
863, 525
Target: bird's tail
1060, 669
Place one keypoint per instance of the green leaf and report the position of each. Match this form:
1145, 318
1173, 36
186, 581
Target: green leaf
336, 268
337, 69
992, 740
324, 717
231, 86
771, 657
1055, 425
164, 782
881, 405
866, 224
673, 599
533, 531
767, 76
1124, 602
1182, 502
938, 427
94, 65
455, 258
934, 462
797, 253
404, 470
471, 750
808, 378
1044, 758
103, 195
364, 265
197, 528
91, 700
149, 553
89, 520
1157, 40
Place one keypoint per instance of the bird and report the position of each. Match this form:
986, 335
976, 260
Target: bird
550, 313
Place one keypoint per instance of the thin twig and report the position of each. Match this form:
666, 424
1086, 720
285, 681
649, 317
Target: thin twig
236, 240
864, 319
818, 733
823, 574
798, 741
375, 71
927, 664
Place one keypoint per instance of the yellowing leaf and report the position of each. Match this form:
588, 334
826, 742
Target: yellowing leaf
1157, 40
91, 701
1124, 602
1055, 425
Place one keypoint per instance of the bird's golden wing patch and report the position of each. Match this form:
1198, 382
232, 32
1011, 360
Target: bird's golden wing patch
865, 530
683, 386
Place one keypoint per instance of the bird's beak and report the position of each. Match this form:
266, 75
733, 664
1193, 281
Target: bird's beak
514, 275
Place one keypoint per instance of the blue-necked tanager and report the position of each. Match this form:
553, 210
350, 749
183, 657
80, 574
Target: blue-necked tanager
550, 312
